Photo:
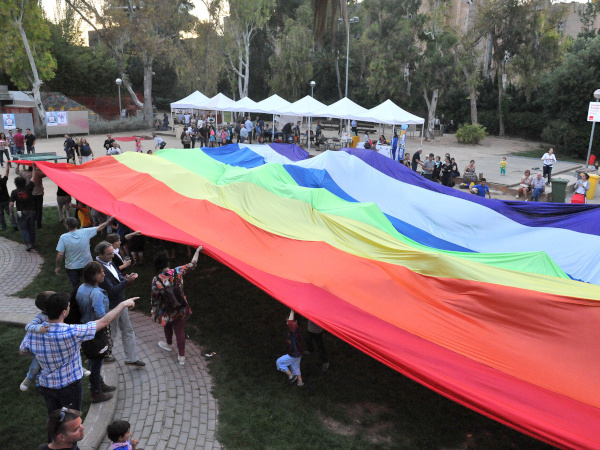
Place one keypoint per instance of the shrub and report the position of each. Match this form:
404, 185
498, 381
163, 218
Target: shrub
470, 134
101, 126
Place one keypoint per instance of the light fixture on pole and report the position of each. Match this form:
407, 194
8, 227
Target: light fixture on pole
597, 97
119, 82
350, 21
312, 89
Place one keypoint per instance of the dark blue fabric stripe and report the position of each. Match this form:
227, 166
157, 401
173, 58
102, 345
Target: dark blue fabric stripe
580, 218
319, 178
290, 151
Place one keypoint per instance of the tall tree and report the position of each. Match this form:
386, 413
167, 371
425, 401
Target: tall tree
541, 50
199, 59
26, 57
149, 29
291, 64
507, 23
245, 18
435, 66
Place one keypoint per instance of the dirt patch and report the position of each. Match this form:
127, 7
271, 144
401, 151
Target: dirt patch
371, 420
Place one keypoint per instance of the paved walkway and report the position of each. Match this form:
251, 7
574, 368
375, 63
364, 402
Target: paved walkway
168, 405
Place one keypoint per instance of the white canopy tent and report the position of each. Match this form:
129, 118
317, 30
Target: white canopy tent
245, 104
343, 109
391, 114
305, 107
192, 101
272, 105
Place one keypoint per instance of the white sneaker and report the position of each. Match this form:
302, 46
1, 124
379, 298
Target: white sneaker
26, 384
517, 196
165, 346
181, 360
86, 373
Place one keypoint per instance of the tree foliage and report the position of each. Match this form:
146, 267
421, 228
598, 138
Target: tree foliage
291, 65
25, 55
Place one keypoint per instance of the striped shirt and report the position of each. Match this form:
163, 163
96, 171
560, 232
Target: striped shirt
58, 352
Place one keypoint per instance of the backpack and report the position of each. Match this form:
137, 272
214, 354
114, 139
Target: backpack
171, 298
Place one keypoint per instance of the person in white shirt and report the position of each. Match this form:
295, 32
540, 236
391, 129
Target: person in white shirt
158, 142
549, 160
583, 184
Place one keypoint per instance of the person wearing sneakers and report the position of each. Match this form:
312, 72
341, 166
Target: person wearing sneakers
37, 326
170, 307
290, 362
58, 352
93, 305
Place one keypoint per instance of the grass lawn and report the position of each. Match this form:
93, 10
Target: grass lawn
358, 403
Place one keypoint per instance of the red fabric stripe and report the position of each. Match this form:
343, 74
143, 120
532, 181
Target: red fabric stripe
503, 396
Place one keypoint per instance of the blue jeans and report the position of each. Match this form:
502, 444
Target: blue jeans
3, 152
27, 225
4, 208
75, 277
18, 151
30, 149
95, 366
536, 194
34, 369
69, 396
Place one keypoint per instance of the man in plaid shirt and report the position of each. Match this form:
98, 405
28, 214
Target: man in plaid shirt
58, 352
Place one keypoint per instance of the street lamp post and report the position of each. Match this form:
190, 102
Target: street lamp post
587, 161
312, 94
119, 82
353, 20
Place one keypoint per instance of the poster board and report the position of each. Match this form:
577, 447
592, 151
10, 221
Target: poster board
9, 122
70, 122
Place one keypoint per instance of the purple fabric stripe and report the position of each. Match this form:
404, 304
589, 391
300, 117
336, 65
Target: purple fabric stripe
290, 151
580, 218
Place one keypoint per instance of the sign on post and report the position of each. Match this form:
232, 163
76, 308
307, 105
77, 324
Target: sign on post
594, 112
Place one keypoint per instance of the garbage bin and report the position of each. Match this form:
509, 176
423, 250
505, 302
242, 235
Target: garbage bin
559, 190
593, 183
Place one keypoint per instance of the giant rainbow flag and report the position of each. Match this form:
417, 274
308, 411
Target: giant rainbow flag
493, 304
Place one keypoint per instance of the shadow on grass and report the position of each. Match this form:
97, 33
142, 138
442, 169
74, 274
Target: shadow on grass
358, 403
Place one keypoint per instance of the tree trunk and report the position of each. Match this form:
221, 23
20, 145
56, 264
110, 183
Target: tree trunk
148, 113
337, 74
35, 88
247, 71
431, 107
472, 95
500, 94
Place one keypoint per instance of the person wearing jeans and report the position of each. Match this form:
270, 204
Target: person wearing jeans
172, 318
549, 160
22, 198
58, 352
93, 305
538, 187
114, 284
